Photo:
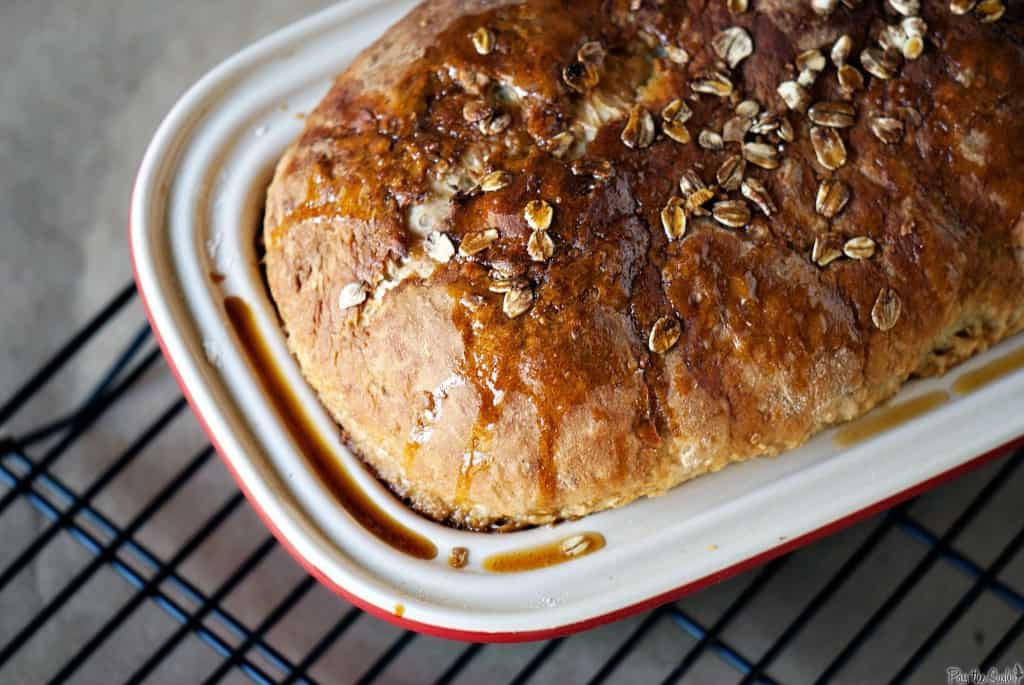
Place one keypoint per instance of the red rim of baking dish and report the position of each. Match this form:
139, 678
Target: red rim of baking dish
570, 628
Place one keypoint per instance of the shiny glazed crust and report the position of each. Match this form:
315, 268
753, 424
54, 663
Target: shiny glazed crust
640, 340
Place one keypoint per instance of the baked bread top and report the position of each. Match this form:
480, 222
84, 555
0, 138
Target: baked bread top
540, 258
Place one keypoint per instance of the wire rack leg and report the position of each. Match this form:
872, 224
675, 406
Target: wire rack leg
76, 431
737, 605
538, 660
271, 620
961, 607
119, 464
321, 647
251, 562
95, 564
896, 596
149, 589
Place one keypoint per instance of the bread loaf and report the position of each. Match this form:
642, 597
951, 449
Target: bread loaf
540, 258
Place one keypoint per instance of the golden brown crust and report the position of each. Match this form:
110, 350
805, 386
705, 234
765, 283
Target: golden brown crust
485, 408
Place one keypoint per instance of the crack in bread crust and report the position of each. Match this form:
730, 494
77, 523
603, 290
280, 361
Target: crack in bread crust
659, 323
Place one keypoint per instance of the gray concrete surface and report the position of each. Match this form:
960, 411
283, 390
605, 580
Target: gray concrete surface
83, 85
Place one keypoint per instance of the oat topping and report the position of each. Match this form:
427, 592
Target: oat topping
765, 123
850, 80
483, 40
477, 241
677, 131
833, 114
827, 249
730, 174
581, 77
915, 29
736, 128
733, 45
748, 109
639, 130
598, 169
750, 139
709, 140
352, 295
785, 130
880, 63
832, 197
824, 7
439, 247
807, 78
906, 38
676, 110
794, 95
665, 333
908, 8
755, 191
517, 301
698, 198
560, 143
674, 117
475, 111
990, 10
859, 248
592, 53
540, 246
887, 129
731, 213
575, 546
886, 312
828, 147
673, 219
494, 181
891, 38
810, 60
914, 26
502, 283
690, 183
458, 557
913, 47
677, 54
962, 6
841, 50
761, 154
494, 125
538, 214
713, 83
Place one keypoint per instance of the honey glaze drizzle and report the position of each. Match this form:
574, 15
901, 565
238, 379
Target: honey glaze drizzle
479, 374
409, 456
885, 418
990, 373
511, 358
312, 444
551, 554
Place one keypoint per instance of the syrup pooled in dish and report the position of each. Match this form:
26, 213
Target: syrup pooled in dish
313, 447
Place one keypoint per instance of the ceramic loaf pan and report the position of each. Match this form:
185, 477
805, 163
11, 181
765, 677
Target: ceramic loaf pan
195, 215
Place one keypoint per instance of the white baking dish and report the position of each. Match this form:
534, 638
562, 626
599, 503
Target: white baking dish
195, 211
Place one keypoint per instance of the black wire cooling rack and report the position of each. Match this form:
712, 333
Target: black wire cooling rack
900, 597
